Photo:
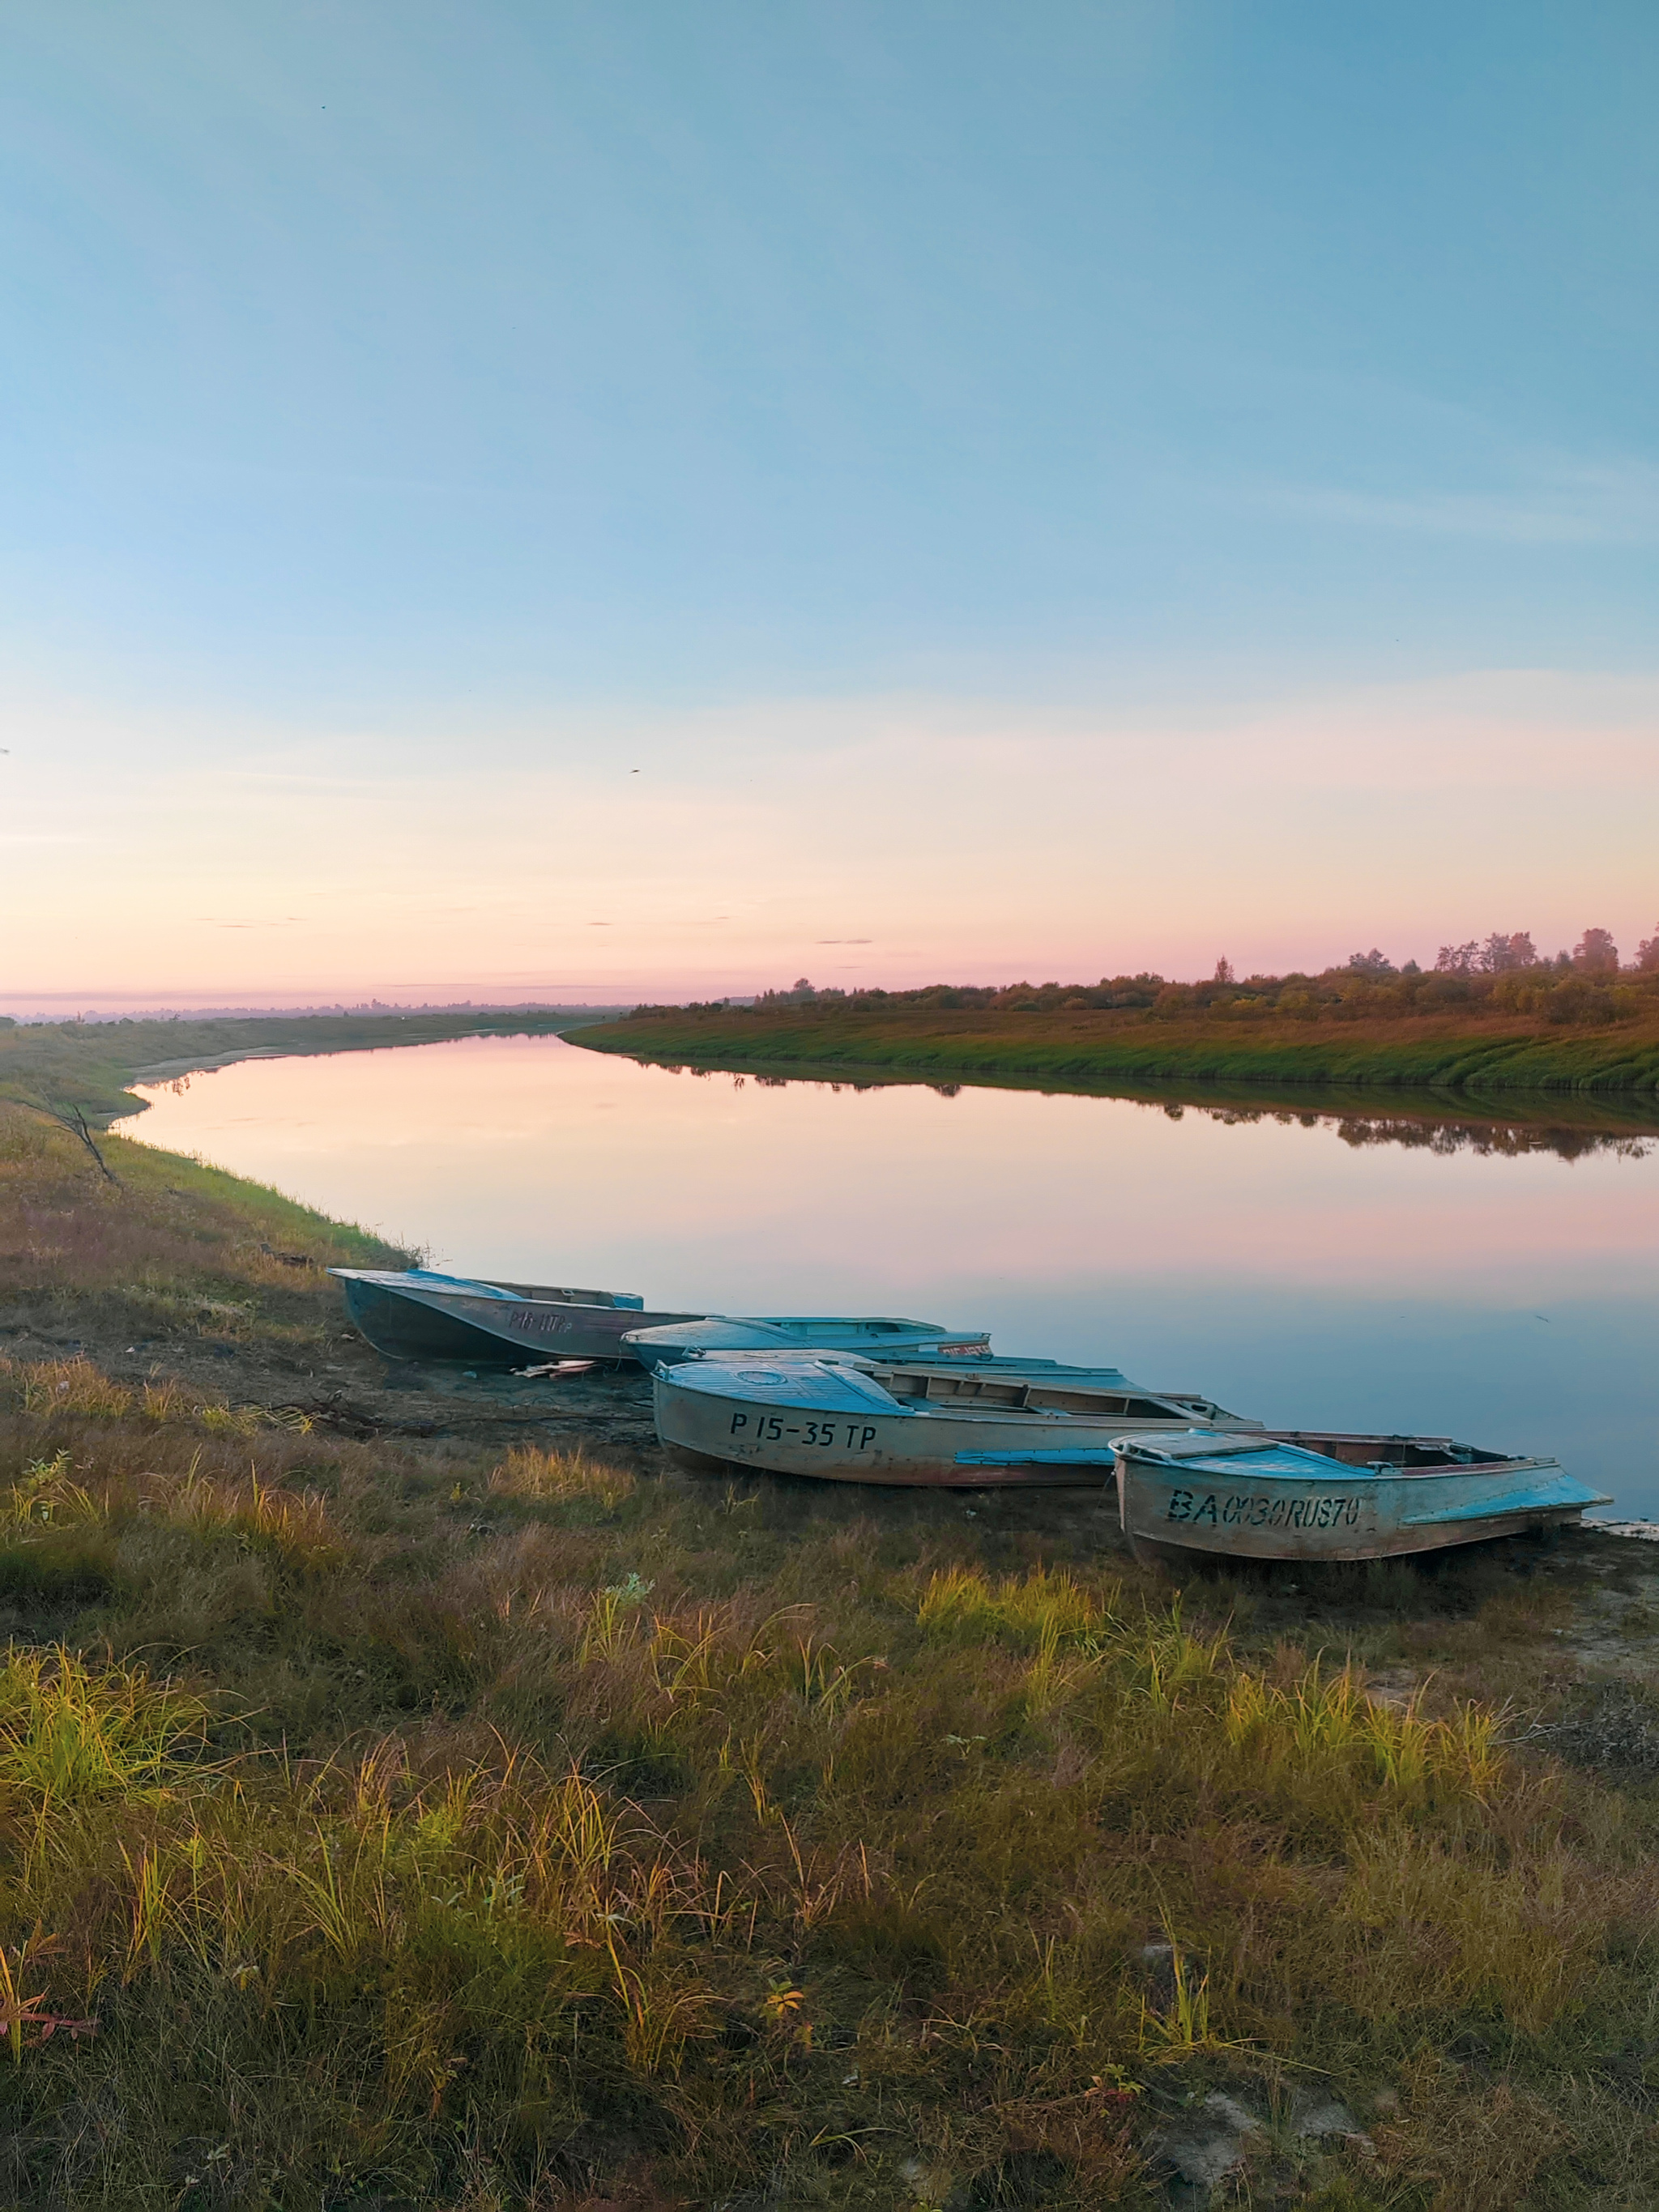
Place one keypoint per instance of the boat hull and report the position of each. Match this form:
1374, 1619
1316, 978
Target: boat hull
486, 1332
1178, 1514
700, 1427
736, 1334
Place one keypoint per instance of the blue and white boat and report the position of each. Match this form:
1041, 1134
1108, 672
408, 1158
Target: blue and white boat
928, 1422
415, 1313
875, 1334
1287, 1494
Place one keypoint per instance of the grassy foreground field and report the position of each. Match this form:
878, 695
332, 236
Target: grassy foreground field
411, 1795
1474, 1052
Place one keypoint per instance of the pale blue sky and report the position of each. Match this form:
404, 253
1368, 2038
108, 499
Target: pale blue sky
555, 390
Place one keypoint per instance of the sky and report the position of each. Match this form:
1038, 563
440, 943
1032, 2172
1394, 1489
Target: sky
609, 501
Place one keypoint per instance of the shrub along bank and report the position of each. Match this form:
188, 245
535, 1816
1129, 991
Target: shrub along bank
417, 1820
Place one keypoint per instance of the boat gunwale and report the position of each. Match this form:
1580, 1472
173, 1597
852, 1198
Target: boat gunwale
1142, 1447
942, 1411
1340, 1474
894, 1322
393, 1282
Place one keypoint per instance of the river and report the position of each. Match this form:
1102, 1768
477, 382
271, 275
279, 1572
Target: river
1309, 1268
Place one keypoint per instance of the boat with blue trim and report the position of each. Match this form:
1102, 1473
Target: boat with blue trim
666, 1346
1290, 1494
961, 1423
415, 1313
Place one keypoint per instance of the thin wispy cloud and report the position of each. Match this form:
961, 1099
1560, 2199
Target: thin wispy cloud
1600, 505
1009, 837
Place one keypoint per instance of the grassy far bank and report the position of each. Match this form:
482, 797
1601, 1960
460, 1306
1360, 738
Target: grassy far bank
1478, 1033
467, 1819
90, 1064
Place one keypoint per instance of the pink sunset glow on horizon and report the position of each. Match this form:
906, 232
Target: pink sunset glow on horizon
888, 842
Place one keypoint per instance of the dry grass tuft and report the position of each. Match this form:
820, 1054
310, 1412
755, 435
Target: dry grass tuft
559, 1477
1020, 1610
295, 1524
77, 1389
63, 1386
1467, 2146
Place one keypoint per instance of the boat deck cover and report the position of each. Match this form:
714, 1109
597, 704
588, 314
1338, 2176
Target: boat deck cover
1199, 1448
799, 1332
1548, 1489
817, 1385
1230, 1458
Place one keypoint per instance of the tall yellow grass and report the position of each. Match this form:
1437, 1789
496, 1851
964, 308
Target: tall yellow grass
78, 1388
528, 1472
294, 1524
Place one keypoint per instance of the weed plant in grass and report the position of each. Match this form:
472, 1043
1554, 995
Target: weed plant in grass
422, 1821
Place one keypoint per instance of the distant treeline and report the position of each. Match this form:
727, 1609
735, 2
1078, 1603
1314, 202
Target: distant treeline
1503, 974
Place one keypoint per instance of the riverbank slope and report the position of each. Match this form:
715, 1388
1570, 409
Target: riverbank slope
1487, 1055
415, 1792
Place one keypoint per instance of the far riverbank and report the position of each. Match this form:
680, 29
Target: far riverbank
92, 1066
1471, 1055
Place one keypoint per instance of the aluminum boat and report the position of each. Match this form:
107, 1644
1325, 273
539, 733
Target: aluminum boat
1288, 1494
927, 1422
415, 1313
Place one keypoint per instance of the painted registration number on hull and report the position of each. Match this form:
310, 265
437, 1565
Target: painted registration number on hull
542, 1324
1236, 1509
771, 1429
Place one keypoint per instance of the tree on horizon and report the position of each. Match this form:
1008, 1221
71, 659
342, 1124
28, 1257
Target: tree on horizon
1595, 953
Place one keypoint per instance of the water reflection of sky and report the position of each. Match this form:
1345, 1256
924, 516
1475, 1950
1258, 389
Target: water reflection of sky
1511, 1299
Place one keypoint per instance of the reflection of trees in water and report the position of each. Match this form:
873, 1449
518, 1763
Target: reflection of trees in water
1424, 1129
1503, 1138
1506, 1140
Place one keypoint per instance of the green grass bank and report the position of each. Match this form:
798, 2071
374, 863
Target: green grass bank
412, 1798
1476, 1054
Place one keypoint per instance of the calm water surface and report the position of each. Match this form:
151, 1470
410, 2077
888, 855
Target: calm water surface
1513, 1301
